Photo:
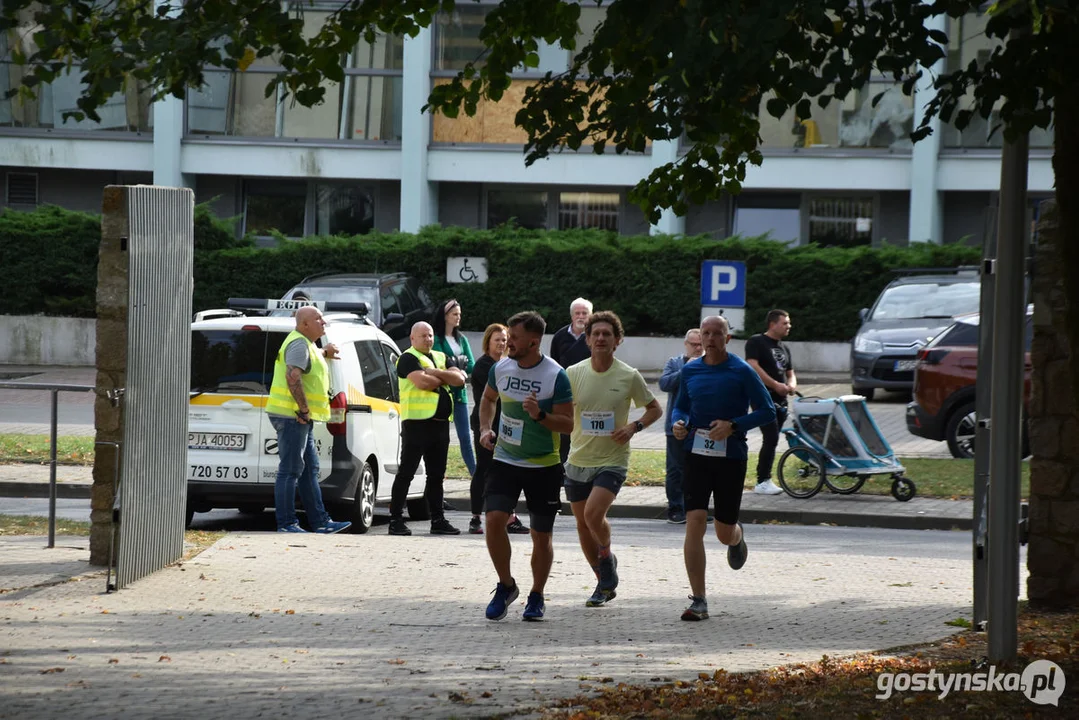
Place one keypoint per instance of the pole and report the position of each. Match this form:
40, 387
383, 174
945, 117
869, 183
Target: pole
1005, 455
52, 472
982, 408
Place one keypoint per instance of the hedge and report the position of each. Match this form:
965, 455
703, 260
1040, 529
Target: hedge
653, 283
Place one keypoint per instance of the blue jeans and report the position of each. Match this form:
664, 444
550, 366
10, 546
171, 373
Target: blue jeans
297, 468
674, 474
464, 435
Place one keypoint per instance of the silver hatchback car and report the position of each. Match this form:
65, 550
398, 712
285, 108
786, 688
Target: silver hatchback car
909, 313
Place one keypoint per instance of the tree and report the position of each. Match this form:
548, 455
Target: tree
653, 70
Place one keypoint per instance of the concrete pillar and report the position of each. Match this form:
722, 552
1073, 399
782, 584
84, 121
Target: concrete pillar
925, 202
419, 196
168, 133
167, 116
663, 152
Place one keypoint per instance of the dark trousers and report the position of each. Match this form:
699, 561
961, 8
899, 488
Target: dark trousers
478, 488
770, 434
430, 440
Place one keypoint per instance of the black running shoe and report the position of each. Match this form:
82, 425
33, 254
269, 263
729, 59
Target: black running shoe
608, 572
398, 527
441, 526
736, 554
516, 527
475, 526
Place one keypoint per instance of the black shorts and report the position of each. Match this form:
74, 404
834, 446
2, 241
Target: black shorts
542, 487
723, 477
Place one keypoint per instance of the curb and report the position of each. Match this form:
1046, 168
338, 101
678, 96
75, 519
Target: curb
80, 491
795, 517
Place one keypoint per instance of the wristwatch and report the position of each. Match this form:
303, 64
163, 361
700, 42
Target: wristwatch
541, 416
734, 426
638, 426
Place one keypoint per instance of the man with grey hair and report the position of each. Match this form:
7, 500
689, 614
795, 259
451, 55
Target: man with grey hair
669, 383
569, 347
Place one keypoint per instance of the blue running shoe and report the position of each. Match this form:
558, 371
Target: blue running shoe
293, 528
332, 527
534, 607
499, 605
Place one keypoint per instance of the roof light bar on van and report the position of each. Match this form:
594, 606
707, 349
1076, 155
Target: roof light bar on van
358, 308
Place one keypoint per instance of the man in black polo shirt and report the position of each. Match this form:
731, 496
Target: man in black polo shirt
767, 354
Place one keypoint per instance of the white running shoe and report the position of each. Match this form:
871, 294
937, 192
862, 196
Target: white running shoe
767, 488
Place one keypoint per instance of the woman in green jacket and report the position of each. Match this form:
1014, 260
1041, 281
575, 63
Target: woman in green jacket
451, 341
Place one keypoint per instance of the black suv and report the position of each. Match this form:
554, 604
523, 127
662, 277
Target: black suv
395, 301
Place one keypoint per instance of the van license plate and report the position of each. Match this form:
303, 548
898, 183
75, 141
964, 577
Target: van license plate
216, 441
905, 365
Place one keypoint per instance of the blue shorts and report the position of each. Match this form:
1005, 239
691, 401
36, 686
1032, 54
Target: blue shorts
580, 480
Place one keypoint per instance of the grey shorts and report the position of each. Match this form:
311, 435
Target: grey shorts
580, 480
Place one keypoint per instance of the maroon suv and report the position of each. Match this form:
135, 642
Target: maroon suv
943, 406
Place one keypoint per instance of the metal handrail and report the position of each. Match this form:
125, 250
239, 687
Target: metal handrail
55, 389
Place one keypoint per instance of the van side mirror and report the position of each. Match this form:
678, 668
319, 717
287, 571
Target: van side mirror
863, 314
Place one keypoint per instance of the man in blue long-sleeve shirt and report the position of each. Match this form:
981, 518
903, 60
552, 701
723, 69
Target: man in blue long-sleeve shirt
710, 416
669, 383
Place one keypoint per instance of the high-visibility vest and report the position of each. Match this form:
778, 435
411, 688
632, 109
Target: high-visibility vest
316, 384
417, 404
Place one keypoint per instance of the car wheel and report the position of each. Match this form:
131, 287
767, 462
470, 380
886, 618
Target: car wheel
418, 510
363, 507
867, 393
960, 430
189, 516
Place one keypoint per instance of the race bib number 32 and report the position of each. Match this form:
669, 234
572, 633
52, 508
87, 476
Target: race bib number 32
510, 429
704, 445
597, 423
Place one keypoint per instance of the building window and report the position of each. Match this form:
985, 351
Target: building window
521, 208
457, 40
841, 221
344, 210
22, 188
588, 210
365, 106
276, 206
777, 216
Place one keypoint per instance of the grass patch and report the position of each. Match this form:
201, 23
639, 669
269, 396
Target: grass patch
34, 525
195, 541
70, 450
935, 477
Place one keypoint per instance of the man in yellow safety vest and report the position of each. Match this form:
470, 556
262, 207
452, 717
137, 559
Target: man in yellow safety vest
300, 397
426, 413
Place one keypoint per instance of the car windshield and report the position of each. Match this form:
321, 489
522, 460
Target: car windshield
927, 300
238, 361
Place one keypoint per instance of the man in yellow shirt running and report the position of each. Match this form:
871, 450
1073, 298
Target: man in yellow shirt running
603, 387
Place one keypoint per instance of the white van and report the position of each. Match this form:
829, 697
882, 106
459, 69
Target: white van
232, 448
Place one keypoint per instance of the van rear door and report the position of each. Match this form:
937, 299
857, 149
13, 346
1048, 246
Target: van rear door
230, 381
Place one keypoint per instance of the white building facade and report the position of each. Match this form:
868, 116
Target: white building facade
368, 158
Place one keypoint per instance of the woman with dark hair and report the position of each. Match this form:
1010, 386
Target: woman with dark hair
450, 340
494, 346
